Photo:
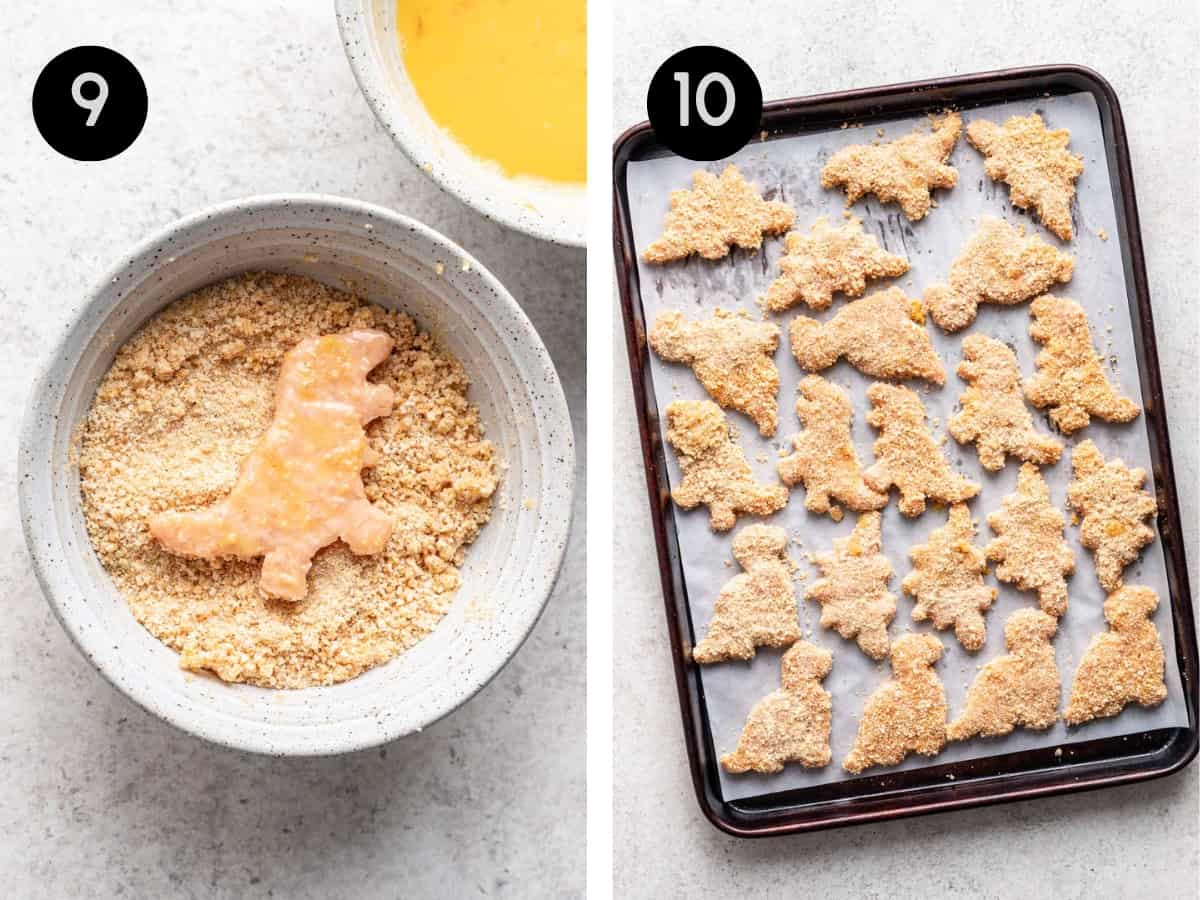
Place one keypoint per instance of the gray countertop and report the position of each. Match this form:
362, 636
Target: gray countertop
100, 799
1133, 841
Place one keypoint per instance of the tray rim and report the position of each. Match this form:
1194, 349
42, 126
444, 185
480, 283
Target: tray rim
1179, 744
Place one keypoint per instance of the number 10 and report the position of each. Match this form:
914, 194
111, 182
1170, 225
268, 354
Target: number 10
701, 99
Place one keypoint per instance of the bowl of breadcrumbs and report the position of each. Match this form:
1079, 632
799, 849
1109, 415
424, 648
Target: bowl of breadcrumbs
167, 404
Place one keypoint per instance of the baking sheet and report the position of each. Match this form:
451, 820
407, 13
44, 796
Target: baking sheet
789, 169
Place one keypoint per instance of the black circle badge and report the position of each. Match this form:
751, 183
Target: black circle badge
705, 103
90, 103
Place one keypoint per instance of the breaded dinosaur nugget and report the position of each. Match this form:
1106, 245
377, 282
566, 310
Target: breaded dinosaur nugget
1108, 496
715, 471
993, 412
1029, 545
732, 356
1035, 163
1124, 664
824, 460
826, 260
999, 264
947, 580
883, 335
906, 456
907, 713
1069, 379
756, 608
905, 170
716, 214
791, 724
853, 588
1018, 690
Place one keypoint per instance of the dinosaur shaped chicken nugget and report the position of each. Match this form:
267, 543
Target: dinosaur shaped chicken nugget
825, 260
1069, 379
907, 713
1029, 545
715, 471
905, 170
883, 335
824, 460
756, 608
1124, 664
1109, 497
947, 580
792, 724
1020, 689
999, 265
716, 214
993, 409
906, 456
301, 487
1035, 163
731, 354
853, 588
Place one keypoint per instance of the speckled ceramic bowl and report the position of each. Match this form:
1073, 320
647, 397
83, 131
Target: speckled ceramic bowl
548, 211
510, 568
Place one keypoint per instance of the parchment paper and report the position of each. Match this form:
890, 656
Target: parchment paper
789, 169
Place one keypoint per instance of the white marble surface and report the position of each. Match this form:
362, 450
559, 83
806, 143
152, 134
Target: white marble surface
100, 799
1133, 841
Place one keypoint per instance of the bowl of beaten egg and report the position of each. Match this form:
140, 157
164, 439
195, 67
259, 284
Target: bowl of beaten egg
487, 97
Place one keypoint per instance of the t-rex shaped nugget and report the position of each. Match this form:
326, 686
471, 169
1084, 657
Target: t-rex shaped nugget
882, 335
716, 214
731, 354
715, 471
301, 487
824, 460
947, 580
1109, 497
907, 713
993, 413
756, 608
906, 456
1122, 665
1035, 163
998, 265
853, 588
825, 260
1069, 380
792, 724
905, 170
1029, 545
1020, 689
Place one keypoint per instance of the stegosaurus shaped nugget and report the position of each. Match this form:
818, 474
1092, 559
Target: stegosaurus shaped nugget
853, 590
1029, 545
905, 170
715, 471
793, 723
993, 413
1035, 163
1109, 497
906, 456
883, 335
824, 460
999, 265
301, 487
731, 355
947, 580
826, 260
756, 608
716, 214
1069, 380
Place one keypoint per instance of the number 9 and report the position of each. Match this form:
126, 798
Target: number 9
94, 105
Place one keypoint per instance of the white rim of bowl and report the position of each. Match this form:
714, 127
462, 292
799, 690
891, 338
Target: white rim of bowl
44, 541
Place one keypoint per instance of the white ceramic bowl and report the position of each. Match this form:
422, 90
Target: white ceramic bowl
509, 570
551, 212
